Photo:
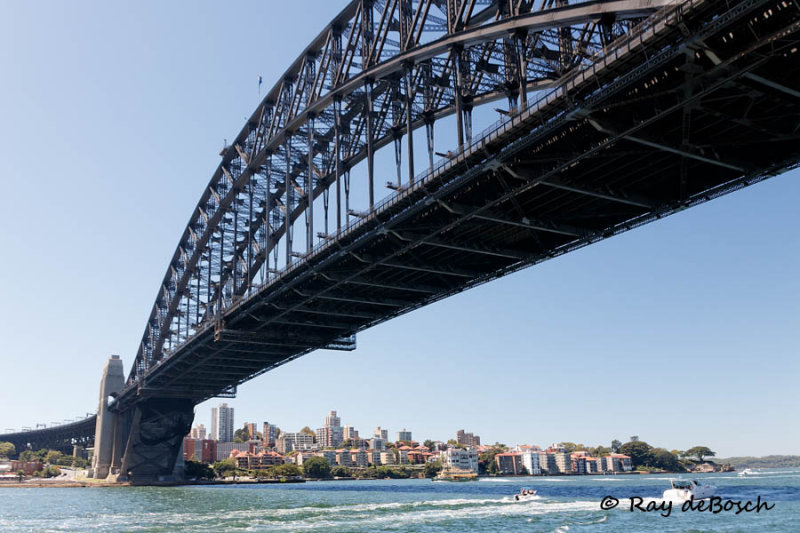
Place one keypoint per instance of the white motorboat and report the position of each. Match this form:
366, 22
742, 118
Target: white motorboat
746, 472
683, 490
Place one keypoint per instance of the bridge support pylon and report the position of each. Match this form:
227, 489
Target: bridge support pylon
107, 439
154, 445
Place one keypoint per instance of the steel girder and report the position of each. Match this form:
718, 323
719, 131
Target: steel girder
380, 70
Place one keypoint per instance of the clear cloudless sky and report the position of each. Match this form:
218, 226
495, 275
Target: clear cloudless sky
112, 115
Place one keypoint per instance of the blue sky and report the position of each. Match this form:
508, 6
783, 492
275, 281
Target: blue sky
683, 332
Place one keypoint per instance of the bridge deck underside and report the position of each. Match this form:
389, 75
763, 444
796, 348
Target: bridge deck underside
701, 117
61, 438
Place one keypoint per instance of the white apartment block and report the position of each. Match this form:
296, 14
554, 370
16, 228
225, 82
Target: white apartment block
463, 459
530, 460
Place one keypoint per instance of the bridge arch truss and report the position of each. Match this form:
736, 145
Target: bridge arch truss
379, 71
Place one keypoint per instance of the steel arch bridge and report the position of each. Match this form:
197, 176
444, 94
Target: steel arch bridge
380, 70
615, 113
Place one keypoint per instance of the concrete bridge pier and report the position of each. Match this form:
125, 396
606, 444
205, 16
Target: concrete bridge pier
107, 439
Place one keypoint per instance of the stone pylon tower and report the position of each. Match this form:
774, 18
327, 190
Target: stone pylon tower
107, 441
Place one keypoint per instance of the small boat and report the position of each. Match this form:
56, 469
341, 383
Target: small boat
683, 490
524, 495
746, 472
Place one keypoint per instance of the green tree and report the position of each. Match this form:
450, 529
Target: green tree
50, 471
308, 431
28, 455
287, 470
341, 471
700, 452
569, 447
317, 467
639, 451
428, 444
7, 449
432, 468
52, 457
241, 435
196, 469
225, 468
20, 475
615, 445
665, 460
486, 462
601, 451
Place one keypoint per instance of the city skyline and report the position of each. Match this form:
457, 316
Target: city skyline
588, 347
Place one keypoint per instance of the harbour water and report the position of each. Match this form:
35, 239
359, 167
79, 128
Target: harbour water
563, 504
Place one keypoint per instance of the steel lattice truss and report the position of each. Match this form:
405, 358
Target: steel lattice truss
61, 437
380, 70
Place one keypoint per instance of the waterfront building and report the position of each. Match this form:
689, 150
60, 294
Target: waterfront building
270, 434
508, 463
547, 463
618, 462
222, 423
256, 461
578, 463
403, 435
460, 459
593, 465
198, 432
27, 467
530, 460
288, 442
563, 462
381, 434
387, 458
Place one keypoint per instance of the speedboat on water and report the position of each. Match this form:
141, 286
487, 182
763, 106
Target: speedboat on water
524, 495
683, 490
746, 472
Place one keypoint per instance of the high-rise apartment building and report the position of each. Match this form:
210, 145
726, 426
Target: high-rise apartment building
350, 433
332, 420
381, 434
467, 439
270, 434
332, 434
251, 430
222, 423
198, 432
404, 435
